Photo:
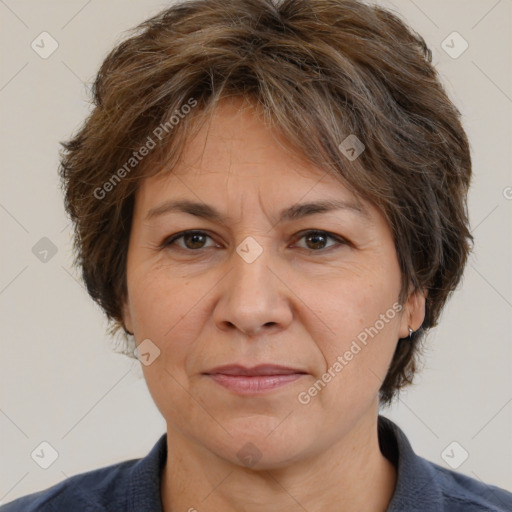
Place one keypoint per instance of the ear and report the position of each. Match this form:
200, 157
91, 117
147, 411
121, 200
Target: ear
413, 313
127, 317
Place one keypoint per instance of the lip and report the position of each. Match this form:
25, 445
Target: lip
258, 379
259, 370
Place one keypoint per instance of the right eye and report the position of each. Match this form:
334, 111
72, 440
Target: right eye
192, 240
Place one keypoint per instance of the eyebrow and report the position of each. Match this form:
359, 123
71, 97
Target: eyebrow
294, 212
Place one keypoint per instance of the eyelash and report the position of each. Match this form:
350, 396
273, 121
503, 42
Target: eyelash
172, 239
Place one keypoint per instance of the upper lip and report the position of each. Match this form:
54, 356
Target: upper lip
262, 369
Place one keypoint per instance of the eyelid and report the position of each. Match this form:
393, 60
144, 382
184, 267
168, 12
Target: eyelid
338, 238
176, 236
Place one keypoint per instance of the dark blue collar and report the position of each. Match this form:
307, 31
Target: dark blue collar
417, 486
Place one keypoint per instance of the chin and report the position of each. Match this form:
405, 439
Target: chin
262, 448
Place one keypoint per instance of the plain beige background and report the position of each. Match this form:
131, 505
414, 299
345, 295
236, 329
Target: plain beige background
60, 380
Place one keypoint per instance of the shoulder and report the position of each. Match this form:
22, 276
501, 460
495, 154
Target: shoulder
463, 493
424, 486
128, 486
90, 491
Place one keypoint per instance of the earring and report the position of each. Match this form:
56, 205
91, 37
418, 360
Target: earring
410, 333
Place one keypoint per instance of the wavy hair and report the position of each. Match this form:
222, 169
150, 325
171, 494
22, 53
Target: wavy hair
319, 70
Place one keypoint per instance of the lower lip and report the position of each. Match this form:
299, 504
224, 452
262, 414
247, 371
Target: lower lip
250, 385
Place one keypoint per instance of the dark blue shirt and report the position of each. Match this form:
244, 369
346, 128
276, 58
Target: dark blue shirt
134, 485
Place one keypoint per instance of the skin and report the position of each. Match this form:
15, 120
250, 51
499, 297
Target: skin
301, 303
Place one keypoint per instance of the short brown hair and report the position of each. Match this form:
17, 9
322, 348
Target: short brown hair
319, 70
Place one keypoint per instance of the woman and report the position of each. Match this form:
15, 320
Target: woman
270, 200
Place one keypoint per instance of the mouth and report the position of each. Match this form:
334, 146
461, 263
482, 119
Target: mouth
255, 380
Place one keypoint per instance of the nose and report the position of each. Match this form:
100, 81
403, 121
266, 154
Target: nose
254, 297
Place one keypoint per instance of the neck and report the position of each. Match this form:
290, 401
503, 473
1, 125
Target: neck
352, 476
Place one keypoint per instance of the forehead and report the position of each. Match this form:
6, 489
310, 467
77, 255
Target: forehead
235, 155
235, 139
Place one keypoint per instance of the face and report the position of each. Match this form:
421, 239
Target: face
262, 283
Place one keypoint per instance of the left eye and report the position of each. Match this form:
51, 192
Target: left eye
317, 239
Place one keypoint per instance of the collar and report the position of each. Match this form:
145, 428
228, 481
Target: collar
417, 486
145, 479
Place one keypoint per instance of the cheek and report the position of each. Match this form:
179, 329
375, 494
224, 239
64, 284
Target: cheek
345, 307
360, 321
158, 301
165, 311
169, 310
